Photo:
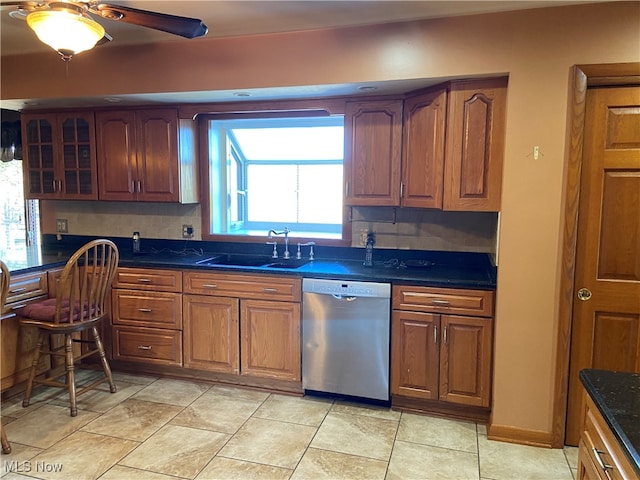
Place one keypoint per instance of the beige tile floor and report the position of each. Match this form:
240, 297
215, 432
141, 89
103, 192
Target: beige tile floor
163, 429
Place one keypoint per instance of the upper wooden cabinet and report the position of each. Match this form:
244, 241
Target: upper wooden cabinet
442, 148
60, 156
423, 149
373, 148
146, 155
475, 145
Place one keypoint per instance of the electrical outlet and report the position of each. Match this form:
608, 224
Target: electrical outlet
363, 237
187, 231
62, 226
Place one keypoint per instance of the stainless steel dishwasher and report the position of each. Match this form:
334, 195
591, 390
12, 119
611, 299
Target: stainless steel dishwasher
345, 337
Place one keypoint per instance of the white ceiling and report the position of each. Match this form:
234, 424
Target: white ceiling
226, 18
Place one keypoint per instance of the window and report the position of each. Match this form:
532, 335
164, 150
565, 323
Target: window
19, 219
271, 173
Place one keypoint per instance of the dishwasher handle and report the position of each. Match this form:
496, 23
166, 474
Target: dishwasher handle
343, 297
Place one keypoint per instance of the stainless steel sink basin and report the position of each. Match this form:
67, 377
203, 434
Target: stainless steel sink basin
290, 263
238, 260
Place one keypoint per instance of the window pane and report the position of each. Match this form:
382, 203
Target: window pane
321, 194
303, 143
271, 193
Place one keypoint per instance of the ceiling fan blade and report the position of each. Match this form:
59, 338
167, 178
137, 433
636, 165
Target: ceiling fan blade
183, 26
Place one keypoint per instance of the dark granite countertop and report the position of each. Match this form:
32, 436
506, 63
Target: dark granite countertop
445, 269
617, 396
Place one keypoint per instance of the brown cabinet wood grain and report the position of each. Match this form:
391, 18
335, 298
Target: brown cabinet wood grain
211, 333
373, 149
423, 149
600, 456
270, 339
439, 356
253, 320
18, 343
141, 158
59, 155
475, 145
146, 316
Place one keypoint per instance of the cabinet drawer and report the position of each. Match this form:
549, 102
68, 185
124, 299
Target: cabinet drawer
259, 287
24, 287
148, 279
444, 300
147, 309
602, 447
149, 345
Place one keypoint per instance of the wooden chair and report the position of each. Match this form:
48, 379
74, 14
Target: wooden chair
81, 303
4, 291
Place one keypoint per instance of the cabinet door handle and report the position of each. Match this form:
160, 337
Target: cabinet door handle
346, 190
604, 466
435, 334
144, 347
144, 280
210, 285
139, 186
444, 335
401, 189
440, 302
270, 290
53, 184
145, 310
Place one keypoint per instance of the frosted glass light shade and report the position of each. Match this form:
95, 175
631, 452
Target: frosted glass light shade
66, 32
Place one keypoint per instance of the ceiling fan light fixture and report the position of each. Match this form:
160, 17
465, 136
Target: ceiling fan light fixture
66, 31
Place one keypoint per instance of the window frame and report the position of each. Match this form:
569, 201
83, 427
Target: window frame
261, 110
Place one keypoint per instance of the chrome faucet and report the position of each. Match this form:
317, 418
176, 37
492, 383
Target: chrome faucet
286, 255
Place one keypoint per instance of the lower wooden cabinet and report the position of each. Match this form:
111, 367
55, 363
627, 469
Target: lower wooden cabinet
439, 356
150, 345
243, 324
270, 339
18, 343
211, 333
600, 457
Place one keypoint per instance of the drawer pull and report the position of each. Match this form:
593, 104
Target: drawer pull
144, 280
270, 290
603, 466
440, 302
144, 347
17, 290
210, 285
145, 310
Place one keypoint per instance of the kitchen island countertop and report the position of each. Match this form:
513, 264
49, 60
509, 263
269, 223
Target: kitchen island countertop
617, 396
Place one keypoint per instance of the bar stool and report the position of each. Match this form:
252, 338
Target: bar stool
81, 303
4, 291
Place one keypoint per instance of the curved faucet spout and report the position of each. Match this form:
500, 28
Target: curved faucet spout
285, 232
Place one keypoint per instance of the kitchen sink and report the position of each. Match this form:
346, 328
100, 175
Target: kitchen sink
240, 260
290, 263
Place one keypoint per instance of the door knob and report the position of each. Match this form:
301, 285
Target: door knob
584, 294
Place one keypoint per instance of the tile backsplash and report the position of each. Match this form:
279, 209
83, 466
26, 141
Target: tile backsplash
401, 228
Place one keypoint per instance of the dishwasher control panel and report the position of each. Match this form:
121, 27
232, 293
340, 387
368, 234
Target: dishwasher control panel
347, 288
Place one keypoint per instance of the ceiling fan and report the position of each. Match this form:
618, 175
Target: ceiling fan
68, 27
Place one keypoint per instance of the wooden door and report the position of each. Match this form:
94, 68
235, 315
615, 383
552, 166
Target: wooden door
211, 333
270, 339
116, 152
606, 314
157, 155
465, 360
475, 145
373, 149
414, 354
423, 149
